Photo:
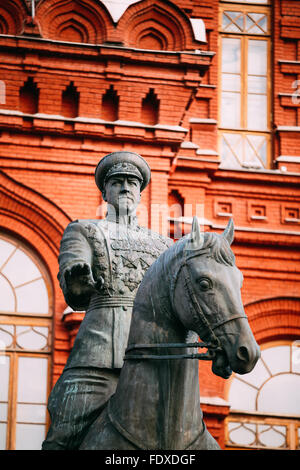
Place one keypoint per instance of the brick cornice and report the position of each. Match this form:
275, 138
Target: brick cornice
131, 54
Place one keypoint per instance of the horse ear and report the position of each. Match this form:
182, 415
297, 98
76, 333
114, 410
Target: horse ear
196, 234
229, 231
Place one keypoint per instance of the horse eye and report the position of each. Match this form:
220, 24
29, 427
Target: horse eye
204, 284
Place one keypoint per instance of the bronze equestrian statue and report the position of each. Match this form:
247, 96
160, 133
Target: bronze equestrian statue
101, 265
179, 292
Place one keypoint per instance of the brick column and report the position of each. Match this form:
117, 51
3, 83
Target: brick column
158, 210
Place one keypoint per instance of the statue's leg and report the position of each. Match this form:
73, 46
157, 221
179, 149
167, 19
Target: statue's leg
77, 399
205, 441
102, 435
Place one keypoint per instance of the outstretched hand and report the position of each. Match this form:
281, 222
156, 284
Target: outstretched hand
80, 280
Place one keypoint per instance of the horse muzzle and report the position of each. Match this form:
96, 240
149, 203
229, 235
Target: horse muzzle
244, 354
246, 358
239, 349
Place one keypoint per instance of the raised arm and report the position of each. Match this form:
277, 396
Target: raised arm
75, 267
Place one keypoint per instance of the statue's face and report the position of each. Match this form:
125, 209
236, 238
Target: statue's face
123, 193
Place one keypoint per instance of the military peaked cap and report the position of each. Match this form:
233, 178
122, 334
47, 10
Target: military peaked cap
122, 163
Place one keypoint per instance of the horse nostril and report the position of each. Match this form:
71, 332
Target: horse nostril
243, 354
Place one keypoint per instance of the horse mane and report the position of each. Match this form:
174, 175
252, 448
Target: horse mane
213, 244
219, 248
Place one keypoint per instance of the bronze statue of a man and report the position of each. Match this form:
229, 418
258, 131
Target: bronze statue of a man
101, 265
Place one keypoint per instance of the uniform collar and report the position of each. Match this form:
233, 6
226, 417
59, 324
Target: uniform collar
128, 220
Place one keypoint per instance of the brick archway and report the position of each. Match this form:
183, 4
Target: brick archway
156, 25
12, 16
274, 318
32, 218
84, 21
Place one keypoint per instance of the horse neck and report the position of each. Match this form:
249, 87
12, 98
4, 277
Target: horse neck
160, 396
153, 320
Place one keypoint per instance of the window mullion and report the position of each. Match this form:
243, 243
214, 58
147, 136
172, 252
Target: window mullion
292, 436
244, 87
269, 84
11, 412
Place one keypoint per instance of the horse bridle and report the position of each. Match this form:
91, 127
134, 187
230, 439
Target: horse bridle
212, 346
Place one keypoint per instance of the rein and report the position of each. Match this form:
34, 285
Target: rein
207, 356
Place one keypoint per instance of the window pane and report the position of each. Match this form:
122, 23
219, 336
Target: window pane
233, 21
29, 436
6, 336
256, 30
228, 158
257, 57
32, 379
231, 55
31, 413
232, 150
296, 356
3, 412
272, 436
235, 142
259, 143
258, 375
256, 23
257, 112
32, 338
6, 250
242, 433
232, 28
251, 158
20, 269
230, 110
225, 21
277, 359
263, 23
263, 153
2, 436
257, 84
7, 299
243, 150
32, 298
4, 374
242, 396
280, 395
231, 82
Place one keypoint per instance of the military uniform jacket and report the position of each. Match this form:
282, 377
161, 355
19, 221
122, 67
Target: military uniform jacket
120, 254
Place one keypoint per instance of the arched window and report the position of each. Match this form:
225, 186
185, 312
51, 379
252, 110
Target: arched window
265, 405
25, 346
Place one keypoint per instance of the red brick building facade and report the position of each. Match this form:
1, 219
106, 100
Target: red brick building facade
207, 92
